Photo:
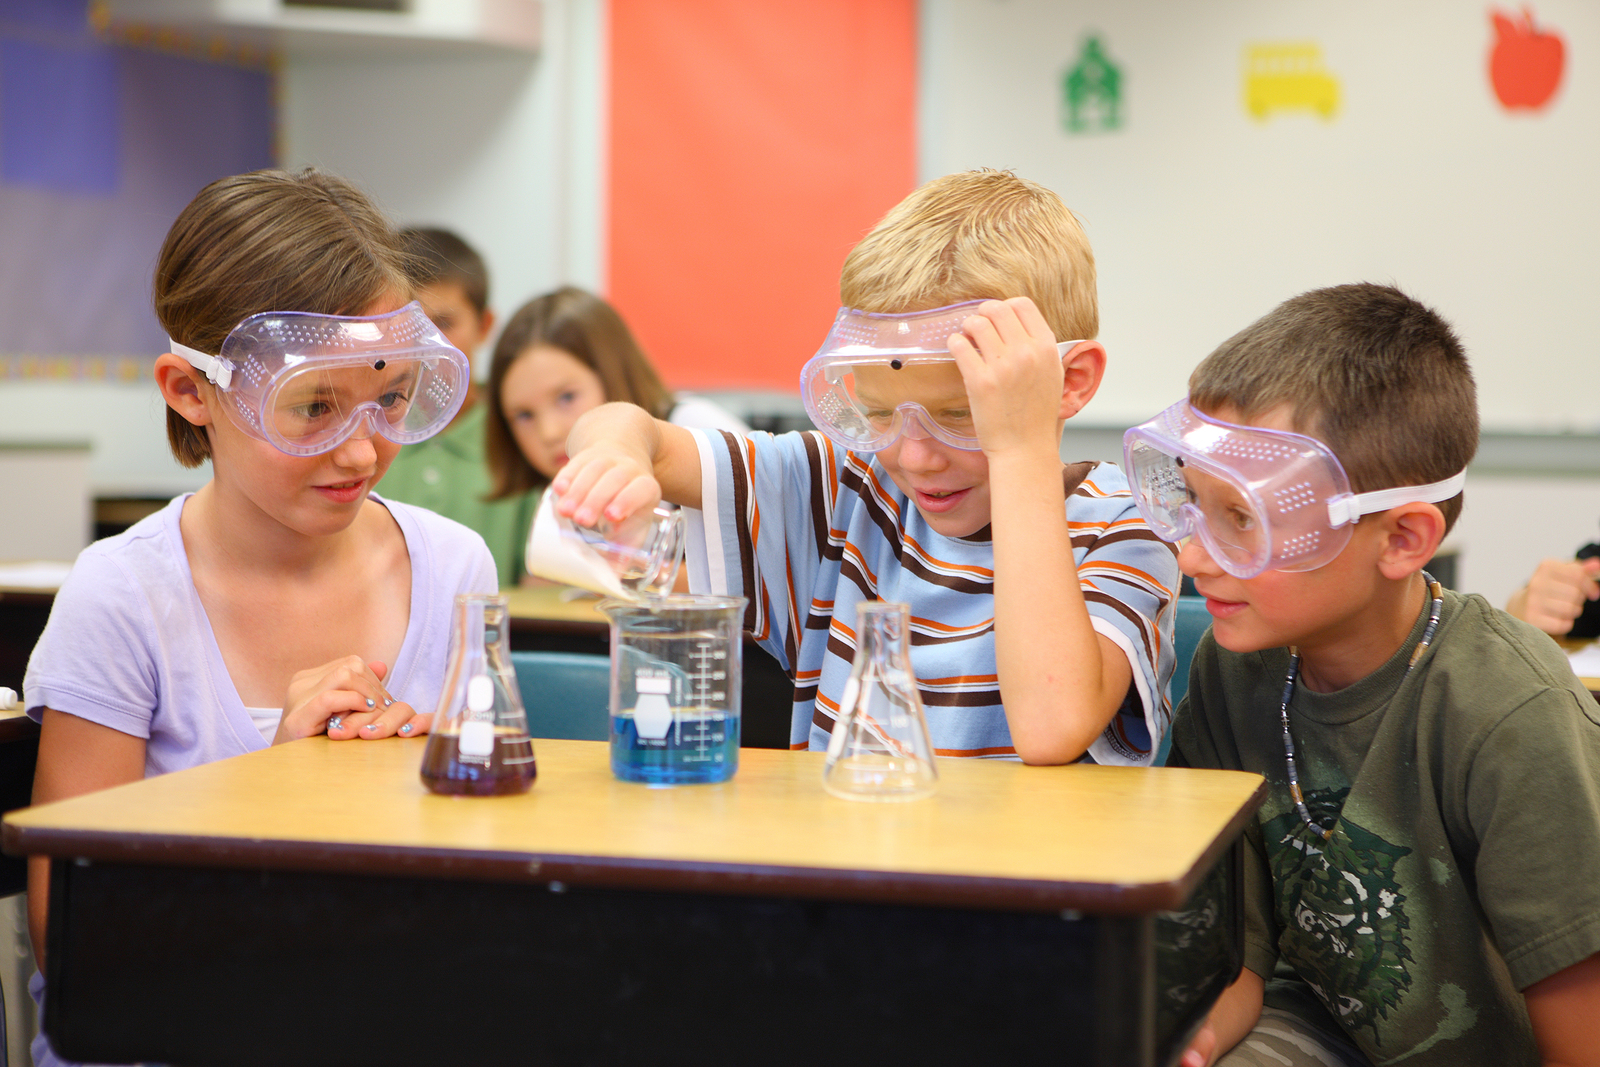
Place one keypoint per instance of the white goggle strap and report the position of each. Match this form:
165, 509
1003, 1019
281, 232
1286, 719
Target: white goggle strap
217, 372
1347, 509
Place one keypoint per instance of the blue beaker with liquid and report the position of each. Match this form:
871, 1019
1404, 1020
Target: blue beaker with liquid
675, 683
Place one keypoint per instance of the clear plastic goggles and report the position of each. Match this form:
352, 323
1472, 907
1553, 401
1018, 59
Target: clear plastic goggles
880, 376
305, 383
1257, 499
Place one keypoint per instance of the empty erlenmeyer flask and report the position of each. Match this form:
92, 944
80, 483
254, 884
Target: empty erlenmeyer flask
479, 745
879, 749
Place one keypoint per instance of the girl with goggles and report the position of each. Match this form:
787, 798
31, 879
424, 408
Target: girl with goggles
283, 598
1257, 499
305, 383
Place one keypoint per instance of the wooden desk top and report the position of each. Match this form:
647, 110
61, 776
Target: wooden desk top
997, 835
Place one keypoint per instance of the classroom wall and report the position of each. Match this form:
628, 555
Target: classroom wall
507, 149
1202, 217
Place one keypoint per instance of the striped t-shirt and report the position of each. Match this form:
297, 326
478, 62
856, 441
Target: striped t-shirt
807, 530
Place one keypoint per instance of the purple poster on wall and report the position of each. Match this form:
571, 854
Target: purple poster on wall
101, 144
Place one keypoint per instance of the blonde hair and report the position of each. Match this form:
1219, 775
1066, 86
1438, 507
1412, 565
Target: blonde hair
975, 235
1376, 376
587, 328
269, 241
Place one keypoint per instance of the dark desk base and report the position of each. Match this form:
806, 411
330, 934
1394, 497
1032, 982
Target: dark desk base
240, 967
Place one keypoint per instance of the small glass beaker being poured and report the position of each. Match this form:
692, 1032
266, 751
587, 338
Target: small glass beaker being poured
479, 744
639, 556
676, 671
879, 748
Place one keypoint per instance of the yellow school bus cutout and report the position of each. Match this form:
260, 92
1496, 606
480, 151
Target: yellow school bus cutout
1288, 76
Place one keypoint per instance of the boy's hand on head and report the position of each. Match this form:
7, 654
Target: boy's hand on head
345, 698
605, 481
1557, 592
1013, 375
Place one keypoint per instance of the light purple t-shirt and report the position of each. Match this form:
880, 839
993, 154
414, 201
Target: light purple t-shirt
128, 644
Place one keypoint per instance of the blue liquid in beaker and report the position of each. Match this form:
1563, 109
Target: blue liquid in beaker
701, 745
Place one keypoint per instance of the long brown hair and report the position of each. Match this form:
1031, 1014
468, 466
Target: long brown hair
269, 241
590, 330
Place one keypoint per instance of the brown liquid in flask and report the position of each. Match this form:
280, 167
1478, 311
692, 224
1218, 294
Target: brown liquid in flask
479, 745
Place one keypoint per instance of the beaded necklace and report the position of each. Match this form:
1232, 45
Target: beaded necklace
1437, 593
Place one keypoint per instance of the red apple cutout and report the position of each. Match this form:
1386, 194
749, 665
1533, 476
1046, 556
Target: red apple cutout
1525, 65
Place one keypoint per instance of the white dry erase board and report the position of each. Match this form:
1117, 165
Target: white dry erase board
1227, 154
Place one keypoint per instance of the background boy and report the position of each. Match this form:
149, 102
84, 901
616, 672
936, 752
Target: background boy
1026, 579
447, 473
1435, 897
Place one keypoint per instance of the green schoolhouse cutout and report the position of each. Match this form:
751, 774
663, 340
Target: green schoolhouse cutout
1091, 91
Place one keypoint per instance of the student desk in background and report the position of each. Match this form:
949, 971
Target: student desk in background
1588, 676
311, 903
548, 619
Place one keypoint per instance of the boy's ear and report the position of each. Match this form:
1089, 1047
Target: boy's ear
179, 383
1082, 368
1411, 536
486, 323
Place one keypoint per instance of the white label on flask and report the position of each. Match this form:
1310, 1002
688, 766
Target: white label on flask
480, 693
477, 739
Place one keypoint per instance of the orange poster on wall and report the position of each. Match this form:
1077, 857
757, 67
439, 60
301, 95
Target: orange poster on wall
753, 142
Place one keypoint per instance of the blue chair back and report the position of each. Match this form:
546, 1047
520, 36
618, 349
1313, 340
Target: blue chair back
1189, 623
566, 694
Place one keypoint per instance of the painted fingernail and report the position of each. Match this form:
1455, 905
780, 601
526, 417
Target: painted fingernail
371, 727
371, 703
406, 729
336, 723
387, 701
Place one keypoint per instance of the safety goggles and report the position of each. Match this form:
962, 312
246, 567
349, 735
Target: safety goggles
1257, 499
305, 383
880, 376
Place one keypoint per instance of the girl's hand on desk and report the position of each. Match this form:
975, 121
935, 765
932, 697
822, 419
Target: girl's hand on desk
345, 699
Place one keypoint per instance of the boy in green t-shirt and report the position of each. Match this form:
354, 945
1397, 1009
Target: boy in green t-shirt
1422, 885
447, 473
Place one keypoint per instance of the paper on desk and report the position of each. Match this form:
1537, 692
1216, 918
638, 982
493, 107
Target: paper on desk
35, 574
555, 551
1586, 661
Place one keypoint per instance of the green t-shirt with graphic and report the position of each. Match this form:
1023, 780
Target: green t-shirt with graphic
1465, 860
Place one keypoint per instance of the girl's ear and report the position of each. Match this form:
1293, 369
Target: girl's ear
1082, 369
180, 388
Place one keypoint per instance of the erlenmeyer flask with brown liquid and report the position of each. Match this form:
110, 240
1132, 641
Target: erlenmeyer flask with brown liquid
479, 745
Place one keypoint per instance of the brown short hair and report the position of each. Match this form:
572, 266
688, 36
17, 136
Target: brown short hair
590, 330
977, 235
269, 241
1368, 371
439, 255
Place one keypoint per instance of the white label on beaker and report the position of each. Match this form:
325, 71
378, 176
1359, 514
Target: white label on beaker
477, 738
652, 715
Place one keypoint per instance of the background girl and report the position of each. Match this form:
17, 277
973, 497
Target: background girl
559, 356
282, 599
